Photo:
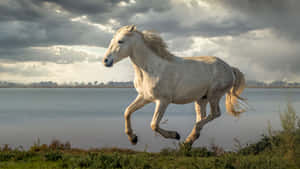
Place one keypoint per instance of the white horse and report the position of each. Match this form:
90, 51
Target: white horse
163, 78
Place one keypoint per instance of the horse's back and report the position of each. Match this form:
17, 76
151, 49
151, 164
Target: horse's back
218, 71
212, 64
205, 59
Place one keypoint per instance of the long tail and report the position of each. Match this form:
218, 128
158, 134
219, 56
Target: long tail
235, 104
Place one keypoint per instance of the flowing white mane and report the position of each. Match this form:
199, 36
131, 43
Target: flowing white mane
157, 45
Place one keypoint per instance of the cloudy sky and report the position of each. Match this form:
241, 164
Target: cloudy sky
65, 40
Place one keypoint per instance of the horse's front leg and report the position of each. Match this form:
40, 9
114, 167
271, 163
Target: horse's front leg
138, 103
160, 109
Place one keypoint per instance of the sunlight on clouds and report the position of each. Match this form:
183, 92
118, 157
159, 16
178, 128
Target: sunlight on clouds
89, 72
80, 72
55, 8
58, 11
79, 18
109, 27
132, 1
68, 54
125, 4
193, 3
202, 47
23, 72
66, 64
59, 54
93, 50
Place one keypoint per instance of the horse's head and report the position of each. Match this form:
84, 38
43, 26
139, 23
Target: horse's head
120, 46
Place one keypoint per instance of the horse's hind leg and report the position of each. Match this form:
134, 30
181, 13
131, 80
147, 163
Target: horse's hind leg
160, 109
138, 103
215, 112
200, 108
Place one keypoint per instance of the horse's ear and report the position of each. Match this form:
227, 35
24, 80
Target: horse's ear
132, 28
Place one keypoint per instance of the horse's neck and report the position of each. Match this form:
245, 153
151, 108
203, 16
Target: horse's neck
147, 62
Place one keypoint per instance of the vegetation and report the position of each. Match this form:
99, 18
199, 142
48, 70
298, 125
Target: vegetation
277, 150
129, 84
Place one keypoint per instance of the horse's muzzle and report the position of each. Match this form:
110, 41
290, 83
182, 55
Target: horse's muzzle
108, 62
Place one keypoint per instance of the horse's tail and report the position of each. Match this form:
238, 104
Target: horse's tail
235, 104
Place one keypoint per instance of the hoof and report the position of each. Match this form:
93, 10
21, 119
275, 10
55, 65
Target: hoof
177, 137
134, 140
186, 145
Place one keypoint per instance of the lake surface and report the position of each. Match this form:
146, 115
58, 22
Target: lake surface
91, 118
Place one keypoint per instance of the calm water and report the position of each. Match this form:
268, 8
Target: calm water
94, 118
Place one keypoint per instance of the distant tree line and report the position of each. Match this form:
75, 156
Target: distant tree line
50, 84
273, 84
129, 84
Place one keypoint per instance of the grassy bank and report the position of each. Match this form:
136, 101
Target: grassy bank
277, 150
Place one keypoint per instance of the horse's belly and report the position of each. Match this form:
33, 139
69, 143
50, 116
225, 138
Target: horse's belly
187, 95
183, 100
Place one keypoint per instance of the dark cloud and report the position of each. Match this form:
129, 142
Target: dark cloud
125, 14
59, 55
51, 31
244, 16
28, 27
37, 22
262, 55
25, 10
102, 10
26, 23
86, 7
172, 23
208, 28
282, 16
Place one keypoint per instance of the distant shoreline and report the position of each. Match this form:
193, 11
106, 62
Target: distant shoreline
129, 84
273, 87
267, 87
70, 87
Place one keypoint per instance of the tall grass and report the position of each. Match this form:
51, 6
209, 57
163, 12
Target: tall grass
287, 141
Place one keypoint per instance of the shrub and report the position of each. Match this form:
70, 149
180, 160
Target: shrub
53, 156
6, 156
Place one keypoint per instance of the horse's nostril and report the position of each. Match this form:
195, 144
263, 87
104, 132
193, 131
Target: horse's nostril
105, 60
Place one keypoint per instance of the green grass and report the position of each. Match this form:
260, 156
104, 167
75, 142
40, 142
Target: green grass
56, 159
277, 150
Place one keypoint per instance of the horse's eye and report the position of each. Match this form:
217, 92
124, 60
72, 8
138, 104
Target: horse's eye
120, 41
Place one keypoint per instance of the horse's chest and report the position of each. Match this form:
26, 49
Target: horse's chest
150, 87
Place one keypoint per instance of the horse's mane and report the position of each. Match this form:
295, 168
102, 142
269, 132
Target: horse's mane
157, 45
